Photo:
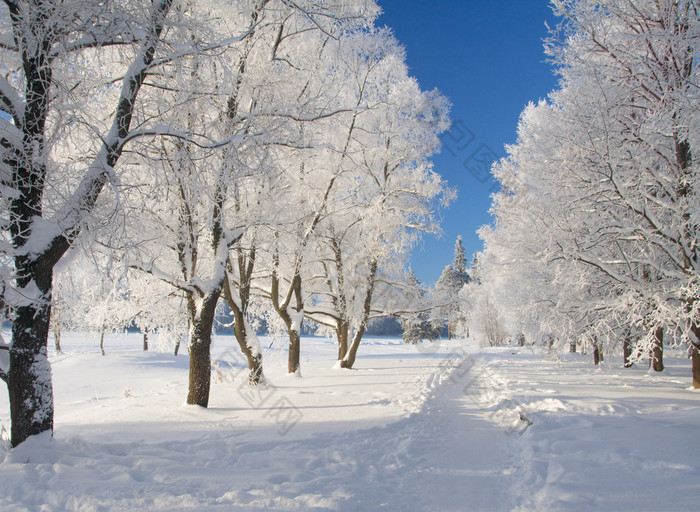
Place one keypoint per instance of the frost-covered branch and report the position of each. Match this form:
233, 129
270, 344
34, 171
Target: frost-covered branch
68, 222
161, 275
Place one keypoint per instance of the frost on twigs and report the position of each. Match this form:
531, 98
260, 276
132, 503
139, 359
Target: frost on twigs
595, 235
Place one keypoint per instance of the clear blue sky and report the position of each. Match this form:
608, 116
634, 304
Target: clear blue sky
487, 57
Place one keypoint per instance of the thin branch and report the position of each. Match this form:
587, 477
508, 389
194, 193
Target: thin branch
180, 284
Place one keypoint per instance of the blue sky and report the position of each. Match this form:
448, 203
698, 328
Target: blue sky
486, 56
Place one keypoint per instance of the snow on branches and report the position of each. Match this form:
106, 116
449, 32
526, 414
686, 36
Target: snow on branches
596, 230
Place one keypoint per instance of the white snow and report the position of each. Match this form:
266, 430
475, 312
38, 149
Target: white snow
452, 429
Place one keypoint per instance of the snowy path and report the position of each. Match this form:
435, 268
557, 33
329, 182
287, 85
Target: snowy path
460, 456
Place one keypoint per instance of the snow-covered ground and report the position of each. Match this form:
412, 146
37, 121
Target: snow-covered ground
444, 428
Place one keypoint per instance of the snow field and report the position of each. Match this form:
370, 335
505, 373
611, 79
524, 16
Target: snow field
125, 441
604, 438
437, 428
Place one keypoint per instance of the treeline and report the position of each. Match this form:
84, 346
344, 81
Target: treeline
595, 240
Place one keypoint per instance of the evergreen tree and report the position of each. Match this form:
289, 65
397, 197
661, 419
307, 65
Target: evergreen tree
451, 281
419, 327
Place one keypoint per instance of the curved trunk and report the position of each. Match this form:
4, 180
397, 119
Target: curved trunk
294, 332
241, 328
255, 361
292, 319
349, 359
102, 339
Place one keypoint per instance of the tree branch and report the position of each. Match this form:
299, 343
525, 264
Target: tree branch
154, 271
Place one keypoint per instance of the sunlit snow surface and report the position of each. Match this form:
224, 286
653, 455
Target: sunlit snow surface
457, 428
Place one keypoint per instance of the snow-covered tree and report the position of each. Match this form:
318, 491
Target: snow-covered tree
53, 55
451, 281
219, 209
387, 193
418, 326
604, 177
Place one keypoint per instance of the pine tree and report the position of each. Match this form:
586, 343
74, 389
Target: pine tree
420, 327
451, 281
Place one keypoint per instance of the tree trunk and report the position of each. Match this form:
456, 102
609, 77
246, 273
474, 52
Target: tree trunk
200, 370
57, 338
695, 354
657, 352
349, 359
572, 346
55, 322
293, 330
293, 323
200, 351
695, 361
627, 351
295, 327
145, 340
102, 340
596, 353
29, 377
294, 365
340, 301
241, 328
255, 362
342, 331
179, 339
